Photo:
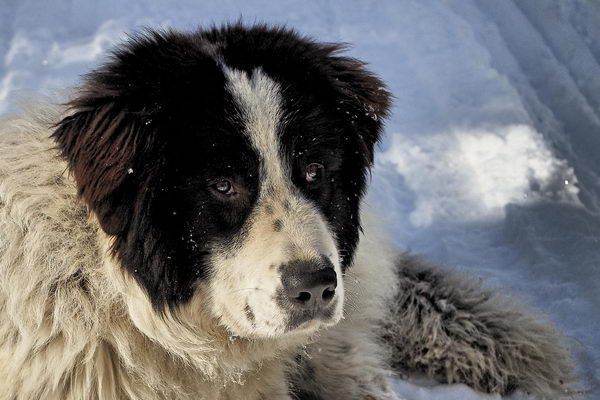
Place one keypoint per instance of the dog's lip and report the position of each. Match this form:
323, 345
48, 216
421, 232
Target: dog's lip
314, 324
323, 317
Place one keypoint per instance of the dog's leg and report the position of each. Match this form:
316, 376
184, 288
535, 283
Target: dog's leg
451, 329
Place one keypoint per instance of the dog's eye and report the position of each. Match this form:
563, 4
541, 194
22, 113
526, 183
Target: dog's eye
224, 187
314, 172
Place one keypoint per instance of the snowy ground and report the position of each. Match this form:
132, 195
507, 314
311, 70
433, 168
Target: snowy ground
491, 162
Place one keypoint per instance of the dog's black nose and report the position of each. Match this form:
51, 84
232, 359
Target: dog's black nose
309, 285
310, 289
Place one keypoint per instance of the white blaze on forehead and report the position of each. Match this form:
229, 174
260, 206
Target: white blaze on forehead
259, 98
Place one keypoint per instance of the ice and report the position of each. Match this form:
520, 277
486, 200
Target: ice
491, 161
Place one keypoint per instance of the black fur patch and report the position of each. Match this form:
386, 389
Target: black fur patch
155, 127
249, 313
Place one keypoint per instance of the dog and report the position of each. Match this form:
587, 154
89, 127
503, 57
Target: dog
189, 226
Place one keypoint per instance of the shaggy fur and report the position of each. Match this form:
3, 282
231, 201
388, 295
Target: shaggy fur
77, 327
93, 304
447, 327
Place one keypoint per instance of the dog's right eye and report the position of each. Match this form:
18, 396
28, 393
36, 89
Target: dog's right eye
313, 173
224, 187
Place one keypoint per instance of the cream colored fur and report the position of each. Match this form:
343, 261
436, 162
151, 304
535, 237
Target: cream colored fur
75, 326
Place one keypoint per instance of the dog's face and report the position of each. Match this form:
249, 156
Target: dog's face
229, 164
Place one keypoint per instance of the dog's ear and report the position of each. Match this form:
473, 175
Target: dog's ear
109, 139
101, 144
365, 98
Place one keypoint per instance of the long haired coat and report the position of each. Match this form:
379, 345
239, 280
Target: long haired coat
189, 228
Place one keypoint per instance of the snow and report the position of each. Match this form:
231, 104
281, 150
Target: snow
490, 164
470, 175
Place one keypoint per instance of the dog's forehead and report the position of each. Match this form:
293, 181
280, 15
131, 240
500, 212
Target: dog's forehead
258, 98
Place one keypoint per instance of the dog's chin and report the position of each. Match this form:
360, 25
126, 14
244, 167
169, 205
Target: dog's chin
283, 331
306, 329
314, 325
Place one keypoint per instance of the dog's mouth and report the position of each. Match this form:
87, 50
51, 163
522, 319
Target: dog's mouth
314, 317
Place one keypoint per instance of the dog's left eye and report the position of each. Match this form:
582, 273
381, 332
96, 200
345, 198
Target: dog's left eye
314, 172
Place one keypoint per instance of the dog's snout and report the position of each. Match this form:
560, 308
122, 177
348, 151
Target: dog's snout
309, 285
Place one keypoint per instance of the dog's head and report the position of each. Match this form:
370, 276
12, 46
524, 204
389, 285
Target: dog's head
229, 164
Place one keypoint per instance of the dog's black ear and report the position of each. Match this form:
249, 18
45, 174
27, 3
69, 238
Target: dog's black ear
365, 98
109, 138
101, 144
